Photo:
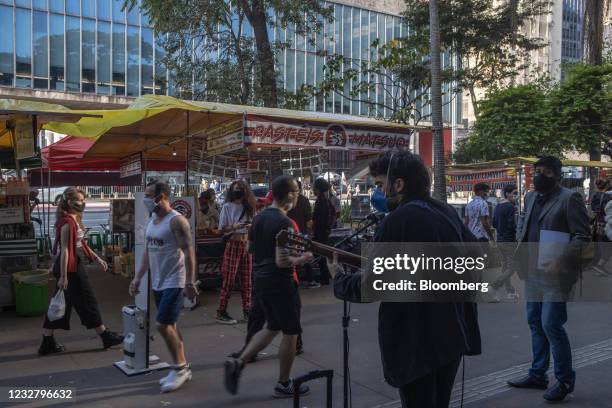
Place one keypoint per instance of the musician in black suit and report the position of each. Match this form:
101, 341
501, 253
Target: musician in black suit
421, 344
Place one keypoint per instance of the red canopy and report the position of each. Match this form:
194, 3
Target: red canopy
67, 155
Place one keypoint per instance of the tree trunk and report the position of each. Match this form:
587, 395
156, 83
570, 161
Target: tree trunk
592, 37
474, 99
256, 14
436, 103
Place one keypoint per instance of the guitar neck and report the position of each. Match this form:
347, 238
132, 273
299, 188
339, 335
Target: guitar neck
343, 256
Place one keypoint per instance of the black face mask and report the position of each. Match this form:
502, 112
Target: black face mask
544, 184
237, 194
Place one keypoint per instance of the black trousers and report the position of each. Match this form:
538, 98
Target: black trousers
79, 295
433, 390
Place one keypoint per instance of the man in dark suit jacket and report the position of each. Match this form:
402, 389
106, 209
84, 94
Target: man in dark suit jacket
554, 233
421, 344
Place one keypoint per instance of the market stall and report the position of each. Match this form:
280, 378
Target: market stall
229, 141
20, 122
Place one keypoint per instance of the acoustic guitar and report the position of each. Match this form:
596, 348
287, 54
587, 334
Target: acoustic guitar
301, 243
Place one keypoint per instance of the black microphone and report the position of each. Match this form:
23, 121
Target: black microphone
375, 217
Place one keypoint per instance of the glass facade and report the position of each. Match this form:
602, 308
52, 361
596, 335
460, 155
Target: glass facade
92, 46
573, 16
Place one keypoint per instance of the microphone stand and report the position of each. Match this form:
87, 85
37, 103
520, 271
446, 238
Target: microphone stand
346, 318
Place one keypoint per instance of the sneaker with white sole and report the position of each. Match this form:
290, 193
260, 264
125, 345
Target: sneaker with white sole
172, 373
176, 379
224, 318
287, 391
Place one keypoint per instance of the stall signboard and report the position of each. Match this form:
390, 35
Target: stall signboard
11, 215
131, 166
278, 133
24, 138
225, 138
496, 178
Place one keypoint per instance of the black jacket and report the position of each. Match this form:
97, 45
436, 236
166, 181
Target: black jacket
417, 338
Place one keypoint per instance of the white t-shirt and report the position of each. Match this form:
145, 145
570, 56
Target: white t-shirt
475, 209
232, 213
166, 259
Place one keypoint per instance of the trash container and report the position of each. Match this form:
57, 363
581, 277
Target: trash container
31, 292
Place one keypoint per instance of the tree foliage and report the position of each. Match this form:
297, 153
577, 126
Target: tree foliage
531, 120
483, 33
512, 122
223, 46
581, 109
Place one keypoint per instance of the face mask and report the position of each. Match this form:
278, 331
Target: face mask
543, 183
237, 194
78, 206
150, 204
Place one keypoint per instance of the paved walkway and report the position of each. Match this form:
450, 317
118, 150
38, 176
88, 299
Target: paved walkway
98, 384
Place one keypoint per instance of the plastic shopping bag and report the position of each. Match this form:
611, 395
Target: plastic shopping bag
57, 307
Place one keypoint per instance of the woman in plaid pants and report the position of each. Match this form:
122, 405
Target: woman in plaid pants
234, 220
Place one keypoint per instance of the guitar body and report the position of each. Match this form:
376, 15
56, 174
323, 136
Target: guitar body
301, 243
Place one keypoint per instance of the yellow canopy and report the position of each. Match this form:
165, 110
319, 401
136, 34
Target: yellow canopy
11, 109
516, 162
160, 125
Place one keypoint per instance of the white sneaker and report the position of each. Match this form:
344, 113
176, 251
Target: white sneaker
176, 379
171, 374
514, 296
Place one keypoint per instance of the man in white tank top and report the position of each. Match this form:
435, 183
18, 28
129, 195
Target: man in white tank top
170, 255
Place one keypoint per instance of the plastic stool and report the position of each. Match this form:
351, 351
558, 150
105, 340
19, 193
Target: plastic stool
94, 241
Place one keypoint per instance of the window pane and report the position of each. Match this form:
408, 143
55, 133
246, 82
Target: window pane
56, 41
88, 68
280, 69
160, 68
57, 6
103, 9
346, 31
41, 51
133, 14
39, 4
9, 2
365, 32
23, 3
118, 59
338, 29
73, 7
356, 52
373, 35
6, 47
118, 15
73, 54
23, 47
133, 72
88, 8
104, 61
290, 68
299, 70
146, 61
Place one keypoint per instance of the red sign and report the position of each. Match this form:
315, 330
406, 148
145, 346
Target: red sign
265, 132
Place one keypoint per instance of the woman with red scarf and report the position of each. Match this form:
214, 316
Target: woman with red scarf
69, 270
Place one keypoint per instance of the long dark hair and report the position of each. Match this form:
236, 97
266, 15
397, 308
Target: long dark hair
248, 200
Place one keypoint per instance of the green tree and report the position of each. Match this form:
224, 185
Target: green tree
483, 33
515, 121
581, 109
207, 43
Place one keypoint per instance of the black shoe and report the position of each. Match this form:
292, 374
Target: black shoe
288, 390
49, 346
110, 339
528, 382
245, 316
558, 392
233, 369
224, 318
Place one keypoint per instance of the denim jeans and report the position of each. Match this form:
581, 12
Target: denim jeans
546, 319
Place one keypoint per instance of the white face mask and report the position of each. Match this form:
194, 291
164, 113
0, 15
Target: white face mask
150, 204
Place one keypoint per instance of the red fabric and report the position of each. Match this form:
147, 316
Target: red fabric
236, 259
72, 241
426, 145
67, 155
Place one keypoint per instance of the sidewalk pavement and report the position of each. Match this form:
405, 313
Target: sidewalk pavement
88, 369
